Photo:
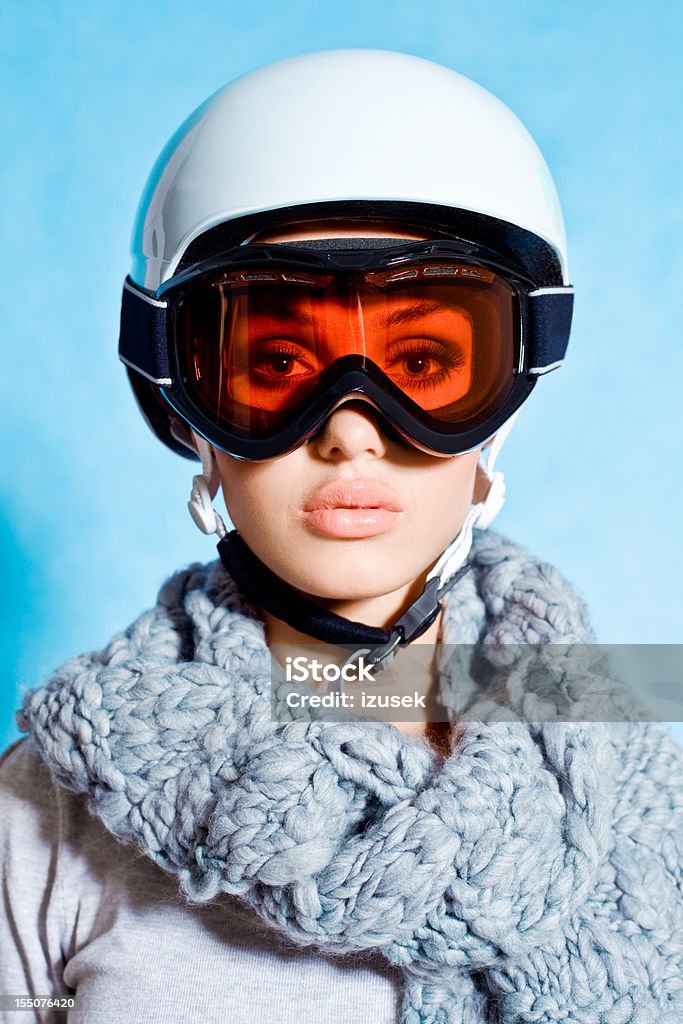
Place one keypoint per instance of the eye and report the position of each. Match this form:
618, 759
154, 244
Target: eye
423, 362
417, 365
281, 363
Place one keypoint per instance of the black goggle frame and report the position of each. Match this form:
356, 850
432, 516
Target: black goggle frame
149, 344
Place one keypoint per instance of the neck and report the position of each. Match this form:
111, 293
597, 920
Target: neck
436, 733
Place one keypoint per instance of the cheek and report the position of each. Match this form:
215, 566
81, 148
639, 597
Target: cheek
444, 494
257, 495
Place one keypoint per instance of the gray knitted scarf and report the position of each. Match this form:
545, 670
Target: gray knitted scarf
533, 874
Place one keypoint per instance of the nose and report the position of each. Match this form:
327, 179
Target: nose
349, 432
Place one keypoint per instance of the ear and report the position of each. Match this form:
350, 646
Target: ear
482, 482
481, 485
209, 465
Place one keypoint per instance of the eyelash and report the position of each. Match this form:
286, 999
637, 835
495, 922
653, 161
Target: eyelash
278, 348
452, 358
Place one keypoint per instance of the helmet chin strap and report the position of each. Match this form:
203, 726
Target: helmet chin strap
265, 589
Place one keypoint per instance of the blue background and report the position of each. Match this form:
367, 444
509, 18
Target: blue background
93, 508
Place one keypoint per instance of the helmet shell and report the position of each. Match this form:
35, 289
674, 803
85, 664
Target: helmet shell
346, 126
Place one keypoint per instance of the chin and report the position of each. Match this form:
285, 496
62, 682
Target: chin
350, 582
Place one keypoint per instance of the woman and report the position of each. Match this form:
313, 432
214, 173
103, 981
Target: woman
349, 273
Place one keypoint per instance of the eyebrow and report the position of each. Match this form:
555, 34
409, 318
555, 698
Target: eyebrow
298, 315
409, 314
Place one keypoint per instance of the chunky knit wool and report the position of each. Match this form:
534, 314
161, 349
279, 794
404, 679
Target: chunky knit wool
535, 874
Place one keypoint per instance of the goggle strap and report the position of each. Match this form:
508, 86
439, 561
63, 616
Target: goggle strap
550, 320
143, 337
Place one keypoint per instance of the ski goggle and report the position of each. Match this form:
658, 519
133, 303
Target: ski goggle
257, 347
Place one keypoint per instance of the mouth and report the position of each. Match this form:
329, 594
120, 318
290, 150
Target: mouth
353, 509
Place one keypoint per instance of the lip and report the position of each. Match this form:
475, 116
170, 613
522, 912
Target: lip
353, 509
354, 494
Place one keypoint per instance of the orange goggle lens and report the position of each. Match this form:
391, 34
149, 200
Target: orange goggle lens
254, 342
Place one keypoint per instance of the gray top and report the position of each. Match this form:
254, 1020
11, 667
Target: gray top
80, 912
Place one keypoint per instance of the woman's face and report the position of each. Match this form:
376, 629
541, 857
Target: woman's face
352, 515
